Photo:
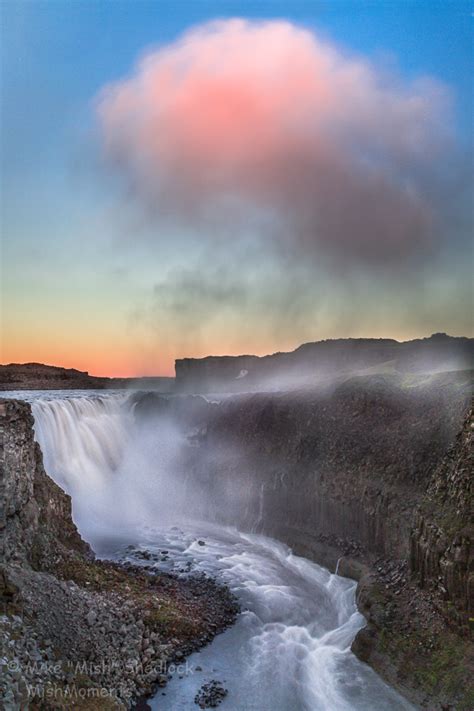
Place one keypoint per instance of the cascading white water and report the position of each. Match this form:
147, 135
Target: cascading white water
261, 499
82, 439
290, 649
117, 473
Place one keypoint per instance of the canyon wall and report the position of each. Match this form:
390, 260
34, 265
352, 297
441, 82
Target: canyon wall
351, 462
374, 473
442, 540
36, 524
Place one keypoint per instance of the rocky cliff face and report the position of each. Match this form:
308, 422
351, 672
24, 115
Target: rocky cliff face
313, 362
442, 540
420, 609
36, 523
214, 372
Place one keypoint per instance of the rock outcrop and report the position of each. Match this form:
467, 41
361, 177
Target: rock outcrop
350, 462
36, 376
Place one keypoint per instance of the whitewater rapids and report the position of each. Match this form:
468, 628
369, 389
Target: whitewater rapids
290, 648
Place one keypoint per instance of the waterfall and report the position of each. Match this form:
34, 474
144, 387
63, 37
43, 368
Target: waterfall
119, 473
82, 439
258, 524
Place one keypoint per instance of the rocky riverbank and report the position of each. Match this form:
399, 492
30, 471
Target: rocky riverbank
79, 632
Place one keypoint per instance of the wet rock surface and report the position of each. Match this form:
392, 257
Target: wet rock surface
210, 695
348, 464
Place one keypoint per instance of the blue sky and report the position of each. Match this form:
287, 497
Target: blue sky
59, 261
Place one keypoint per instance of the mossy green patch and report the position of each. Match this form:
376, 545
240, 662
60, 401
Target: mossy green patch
442, 673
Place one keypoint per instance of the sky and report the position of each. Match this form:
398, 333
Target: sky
203, 177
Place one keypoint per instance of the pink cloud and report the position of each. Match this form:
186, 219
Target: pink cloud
240, 118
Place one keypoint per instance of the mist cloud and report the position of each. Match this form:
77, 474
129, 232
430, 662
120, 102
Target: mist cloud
265, 124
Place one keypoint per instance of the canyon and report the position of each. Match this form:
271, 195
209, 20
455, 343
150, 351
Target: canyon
369, 475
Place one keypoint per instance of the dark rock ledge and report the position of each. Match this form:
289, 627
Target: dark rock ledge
78, 632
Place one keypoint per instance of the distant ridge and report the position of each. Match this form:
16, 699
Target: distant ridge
312, 362
38, 376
